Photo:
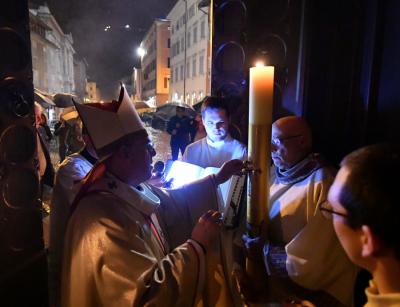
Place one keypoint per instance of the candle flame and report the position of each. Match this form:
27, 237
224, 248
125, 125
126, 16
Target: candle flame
259, 64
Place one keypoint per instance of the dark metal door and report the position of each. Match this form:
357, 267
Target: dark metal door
23, 279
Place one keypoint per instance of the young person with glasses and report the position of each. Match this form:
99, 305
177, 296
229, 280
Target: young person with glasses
365, 210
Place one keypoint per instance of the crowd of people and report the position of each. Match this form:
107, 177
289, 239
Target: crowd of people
117, 240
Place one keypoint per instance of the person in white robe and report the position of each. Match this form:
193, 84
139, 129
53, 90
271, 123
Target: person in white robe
302, 257
216, 148
128, 244
70, 172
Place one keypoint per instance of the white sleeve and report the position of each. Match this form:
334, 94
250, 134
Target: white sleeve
181, 208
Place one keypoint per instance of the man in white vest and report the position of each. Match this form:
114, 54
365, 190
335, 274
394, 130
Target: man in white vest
130, 244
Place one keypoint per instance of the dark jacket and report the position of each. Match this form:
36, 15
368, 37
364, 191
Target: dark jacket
182, 127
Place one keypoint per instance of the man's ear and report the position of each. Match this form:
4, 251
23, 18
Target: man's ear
371, 244
124, 151
301, 141
305, 143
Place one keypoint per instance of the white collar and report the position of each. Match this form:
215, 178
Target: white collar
218, 144
378, 299
141, 197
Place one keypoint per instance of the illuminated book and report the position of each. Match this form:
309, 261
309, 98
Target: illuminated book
179, 173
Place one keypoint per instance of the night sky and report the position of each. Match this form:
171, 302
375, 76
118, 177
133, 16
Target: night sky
111, 55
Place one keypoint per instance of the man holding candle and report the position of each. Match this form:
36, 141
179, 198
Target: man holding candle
301, 254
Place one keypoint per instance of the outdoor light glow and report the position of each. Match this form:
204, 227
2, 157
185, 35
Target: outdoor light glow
140, 52
107, 28
127, 26
259, 64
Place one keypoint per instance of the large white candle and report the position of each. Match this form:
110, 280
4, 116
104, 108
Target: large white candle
259, 147
261, 95
259, 154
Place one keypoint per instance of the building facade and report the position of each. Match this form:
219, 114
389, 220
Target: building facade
137, 84
52, 53
155, 62
127, 82
92, 93
40, 48
190, 60
80, 77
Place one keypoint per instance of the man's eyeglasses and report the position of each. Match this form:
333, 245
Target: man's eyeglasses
327, 210
279, 141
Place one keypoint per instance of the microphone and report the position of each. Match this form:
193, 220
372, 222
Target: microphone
158, 169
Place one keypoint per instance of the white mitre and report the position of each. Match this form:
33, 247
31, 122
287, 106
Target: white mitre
109, 124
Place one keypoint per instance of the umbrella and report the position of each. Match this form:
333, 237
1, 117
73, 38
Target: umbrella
143, 107
70, 115
197, 106
169, 109
43, 99
63, 100
164, 113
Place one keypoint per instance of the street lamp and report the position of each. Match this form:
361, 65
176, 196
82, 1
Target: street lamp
141, 52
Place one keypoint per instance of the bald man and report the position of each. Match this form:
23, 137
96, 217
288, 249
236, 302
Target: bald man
301, 254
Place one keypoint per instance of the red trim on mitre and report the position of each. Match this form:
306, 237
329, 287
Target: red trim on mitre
112, 106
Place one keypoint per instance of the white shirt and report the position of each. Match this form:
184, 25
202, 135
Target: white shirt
206, 153
376, 299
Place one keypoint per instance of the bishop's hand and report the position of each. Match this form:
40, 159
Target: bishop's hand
228, 169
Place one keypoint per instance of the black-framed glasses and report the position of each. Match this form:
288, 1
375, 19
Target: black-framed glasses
327, 210
279, 141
